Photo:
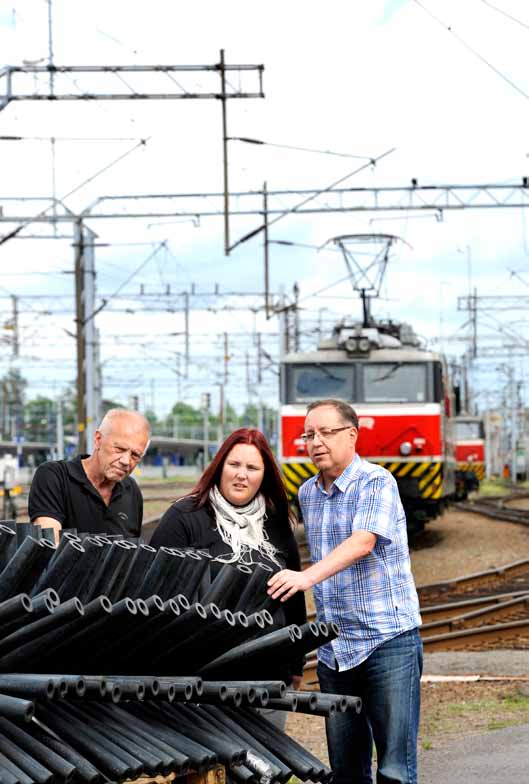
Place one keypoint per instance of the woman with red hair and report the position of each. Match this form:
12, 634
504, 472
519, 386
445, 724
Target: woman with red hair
239, 512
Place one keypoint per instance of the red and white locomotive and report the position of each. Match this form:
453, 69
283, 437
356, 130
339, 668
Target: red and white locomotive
404, 402
470, 454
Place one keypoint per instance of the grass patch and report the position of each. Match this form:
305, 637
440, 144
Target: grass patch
498, 487
480, 708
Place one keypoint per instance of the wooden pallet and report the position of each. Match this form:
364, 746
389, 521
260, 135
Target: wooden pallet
215, 775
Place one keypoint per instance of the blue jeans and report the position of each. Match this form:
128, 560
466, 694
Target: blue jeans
388, 682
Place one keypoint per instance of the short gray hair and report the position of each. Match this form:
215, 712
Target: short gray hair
345, 410
137, 420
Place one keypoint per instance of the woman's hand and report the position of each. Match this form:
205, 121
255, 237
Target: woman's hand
284, 584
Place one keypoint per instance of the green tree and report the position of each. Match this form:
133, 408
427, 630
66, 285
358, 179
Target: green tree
39, 419
13, 391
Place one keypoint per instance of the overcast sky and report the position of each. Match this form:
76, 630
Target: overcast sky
443, 84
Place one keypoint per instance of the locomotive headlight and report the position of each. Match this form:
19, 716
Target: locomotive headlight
351, 345
363, 344
405, 448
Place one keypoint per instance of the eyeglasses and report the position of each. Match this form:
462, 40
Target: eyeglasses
324, 433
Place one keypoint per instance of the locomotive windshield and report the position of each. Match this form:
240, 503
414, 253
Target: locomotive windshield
362, 382
468, 431
311, 382
394, 383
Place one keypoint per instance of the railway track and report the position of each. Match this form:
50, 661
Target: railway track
498, 507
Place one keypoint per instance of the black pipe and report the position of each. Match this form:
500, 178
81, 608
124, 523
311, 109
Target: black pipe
244, 629
130, 582
130, 690
18, 567
26, 687
178, 627
24, 529
181, 685
163, 562
48, 534
16, 708
341, 702
255, 764
60, 566
151, 764
38, 751
85, 771
78, 717
261, 697
41, 607
37, 772
73, 584
119, 647
255, 597
10, 773
107, 572
113, 591
127, 725
268, 647
228, 752
14, 646
281, 771
274, 688
175, 559
19, 606
150, 719
99, 751
228, 586
54, 642
191, 651
7, 540
88, 636
292, 753
189, 575
39, 565
288, 703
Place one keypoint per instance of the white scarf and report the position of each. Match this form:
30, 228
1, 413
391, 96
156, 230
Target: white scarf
242, 528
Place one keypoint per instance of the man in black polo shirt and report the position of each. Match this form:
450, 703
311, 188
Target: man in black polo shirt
94, 493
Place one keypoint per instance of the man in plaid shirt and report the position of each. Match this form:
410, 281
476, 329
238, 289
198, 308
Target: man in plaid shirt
361, 576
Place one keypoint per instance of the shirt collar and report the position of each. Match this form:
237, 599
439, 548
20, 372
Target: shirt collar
343, 481
77, 472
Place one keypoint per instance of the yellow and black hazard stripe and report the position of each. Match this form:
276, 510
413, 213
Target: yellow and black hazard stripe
478, 469
428, 474
294, 474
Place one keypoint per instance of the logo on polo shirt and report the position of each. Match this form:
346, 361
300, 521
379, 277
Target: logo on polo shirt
123, 515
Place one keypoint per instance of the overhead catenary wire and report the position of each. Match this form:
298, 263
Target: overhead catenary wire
472, 50
504, 13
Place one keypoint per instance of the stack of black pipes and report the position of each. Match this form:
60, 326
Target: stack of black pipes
173, 664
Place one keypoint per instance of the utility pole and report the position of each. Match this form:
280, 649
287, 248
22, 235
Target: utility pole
59, 430
205, 404
266, 252
15, 344
186, 329
222, 392
88, 404
80, 337
513, 400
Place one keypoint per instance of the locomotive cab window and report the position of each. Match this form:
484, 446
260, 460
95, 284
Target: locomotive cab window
395, 382
321, 380
469, 431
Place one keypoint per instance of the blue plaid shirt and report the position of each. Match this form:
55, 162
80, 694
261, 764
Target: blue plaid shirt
375, 598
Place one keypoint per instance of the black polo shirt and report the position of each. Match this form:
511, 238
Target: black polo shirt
60, 489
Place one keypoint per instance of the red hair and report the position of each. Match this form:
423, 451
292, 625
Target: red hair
272, 488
